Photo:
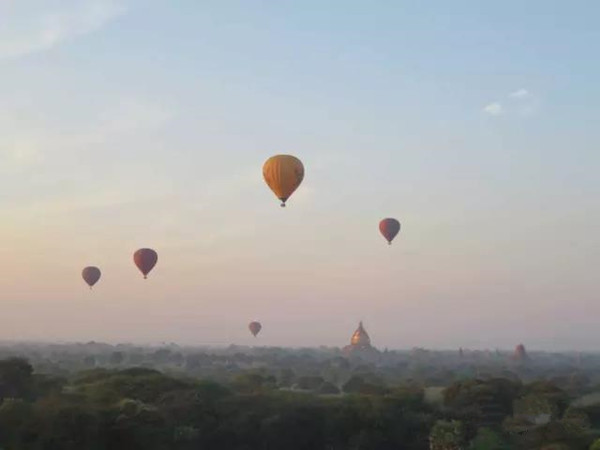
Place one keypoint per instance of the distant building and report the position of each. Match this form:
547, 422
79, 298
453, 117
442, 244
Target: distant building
360, 338
520, 354
360, 344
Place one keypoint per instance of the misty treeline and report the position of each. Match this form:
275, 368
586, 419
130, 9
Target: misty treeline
97, 396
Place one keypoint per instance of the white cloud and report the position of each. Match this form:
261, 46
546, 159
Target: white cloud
28, 32
522, 103
493, 109
521, 93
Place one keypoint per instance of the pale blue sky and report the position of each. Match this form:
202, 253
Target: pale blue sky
145, 123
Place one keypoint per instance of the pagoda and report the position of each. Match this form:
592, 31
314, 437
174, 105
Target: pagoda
360, 344
520, 354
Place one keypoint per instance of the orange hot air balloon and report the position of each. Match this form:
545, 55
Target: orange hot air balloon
145, 260
283, 174
254, 327
389, 228
91, 275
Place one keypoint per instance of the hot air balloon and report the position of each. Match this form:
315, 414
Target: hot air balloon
91, 275
389, 228
254, 327
283, 174
145, 259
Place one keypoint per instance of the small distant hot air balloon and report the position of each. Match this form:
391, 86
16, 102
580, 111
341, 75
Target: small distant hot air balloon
145, 260
91, 275
389, 228
254, 327
283, 174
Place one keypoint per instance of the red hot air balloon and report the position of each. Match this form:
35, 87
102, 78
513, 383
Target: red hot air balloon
145, 259
254, 327
389, 228
91, 275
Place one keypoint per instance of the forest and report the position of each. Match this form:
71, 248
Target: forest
99, 396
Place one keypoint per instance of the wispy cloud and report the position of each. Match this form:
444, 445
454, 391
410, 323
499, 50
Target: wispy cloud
20, 152
493, 109
96, 188
27, 143
520, 102
527, 105
521, 93
31, 28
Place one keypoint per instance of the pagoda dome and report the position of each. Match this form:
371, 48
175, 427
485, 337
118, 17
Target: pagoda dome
360, 338
520, 353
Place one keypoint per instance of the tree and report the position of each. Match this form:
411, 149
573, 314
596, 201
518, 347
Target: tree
286, 377
297, 427
487, 439
481, 403
534, 406
328, 389
353, 385
89, 361
15, 378
116, 358
250, 383
576, 420
447, 435
135, 383
357, 385
46, 384
65, 426
554, 394
311, 383
15, 416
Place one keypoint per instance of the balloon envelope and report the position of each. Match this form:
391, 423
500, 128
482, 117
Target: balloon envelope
254, 328
91, 275
389, 228
145, 259
283, 174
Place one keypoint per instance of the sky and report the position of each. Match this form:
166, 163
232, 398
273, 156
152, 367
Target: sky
145, 123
